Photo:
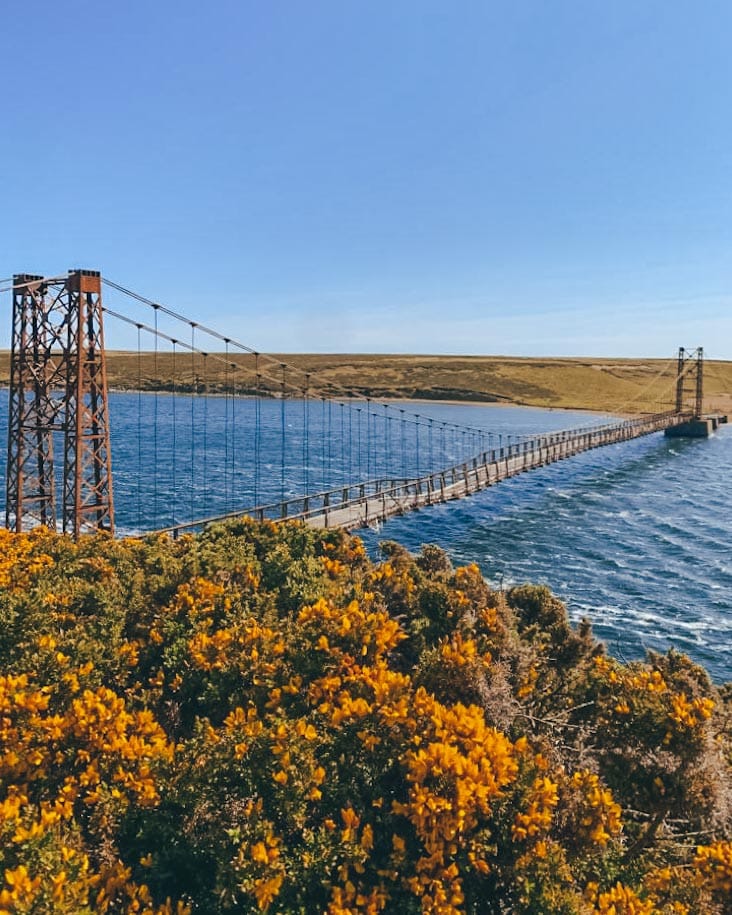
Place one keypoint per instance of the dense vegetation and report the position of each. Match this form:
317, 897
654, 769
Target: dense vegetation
261, 719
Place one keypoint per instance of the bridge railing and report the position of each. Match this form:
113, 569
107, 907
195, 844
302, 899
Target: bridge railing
391, 495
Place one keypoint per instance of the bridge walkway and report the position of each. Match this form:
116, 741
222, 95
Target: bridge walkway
371, 503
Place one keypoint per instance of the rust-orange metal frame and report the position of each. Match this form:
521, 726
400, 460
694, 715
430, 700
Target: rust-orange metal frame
688, 359
58, 390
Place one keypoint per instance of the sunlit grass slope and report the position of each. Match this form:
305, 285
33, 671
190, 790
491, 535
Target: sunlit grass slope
592, 384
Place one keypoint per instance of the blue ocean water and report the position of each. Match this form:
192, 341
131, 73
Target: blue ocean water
637, 537
634, 536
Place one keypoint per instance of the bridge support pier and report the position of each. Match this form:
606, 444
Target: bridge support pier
695, 428
700, 427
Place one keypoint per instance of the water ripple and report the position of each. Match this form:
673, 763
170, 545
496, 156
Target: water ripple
635, 537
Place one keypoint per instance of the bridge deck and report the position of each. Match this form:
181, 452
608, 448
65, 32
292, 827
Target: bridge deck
472, 477
368, 504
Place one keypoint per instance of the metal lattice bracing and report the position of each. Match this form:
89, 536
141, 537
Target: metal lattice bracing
688, 359
87, 499
699, 399
58, 388
37, 373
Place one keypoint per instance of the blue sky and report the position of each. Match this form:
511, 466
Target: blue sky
522, 177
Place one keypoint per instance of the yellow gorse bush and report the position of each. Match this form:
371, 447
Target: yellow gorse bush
714, 863
622, 900
600, 817
22, 557
260, 719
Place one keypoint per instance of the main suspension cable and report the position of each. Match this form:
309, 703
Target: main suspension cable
282, 432
194, 386
155, 422
139, 430
174, 500
334, 389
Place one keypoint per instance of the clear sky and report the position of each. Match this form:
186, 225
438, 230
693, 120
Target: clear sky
465, 176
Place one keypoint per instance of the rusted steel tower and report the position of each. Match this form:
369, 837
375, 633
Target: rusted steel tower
687, 358
58, 390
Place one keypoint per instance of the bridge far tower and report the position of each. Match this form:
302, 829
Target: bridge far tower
688, 361
691, 365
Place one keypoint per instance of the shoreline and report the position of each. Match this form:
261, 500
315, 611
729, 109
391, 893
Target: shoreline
592, 386
502, 404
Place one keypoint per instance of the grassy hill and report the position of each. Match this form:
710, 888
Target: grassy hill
581, 383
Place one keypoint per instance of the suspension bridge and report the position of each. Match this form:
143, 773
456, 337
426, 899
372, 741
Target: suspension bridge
213, 429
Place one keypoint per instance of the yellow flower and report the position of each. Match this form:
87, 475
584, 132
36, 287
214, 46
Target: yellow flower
367, 837
266, 890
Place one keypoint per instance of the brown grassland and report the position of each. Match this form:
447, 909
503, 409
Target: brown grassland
621, 385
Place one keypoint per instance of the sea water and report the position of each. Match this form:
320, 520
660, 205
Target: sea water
634, 536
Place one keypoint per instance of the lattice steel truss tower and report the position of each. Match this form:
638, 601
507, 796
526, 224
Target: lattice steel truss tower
58, 393
688, 359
